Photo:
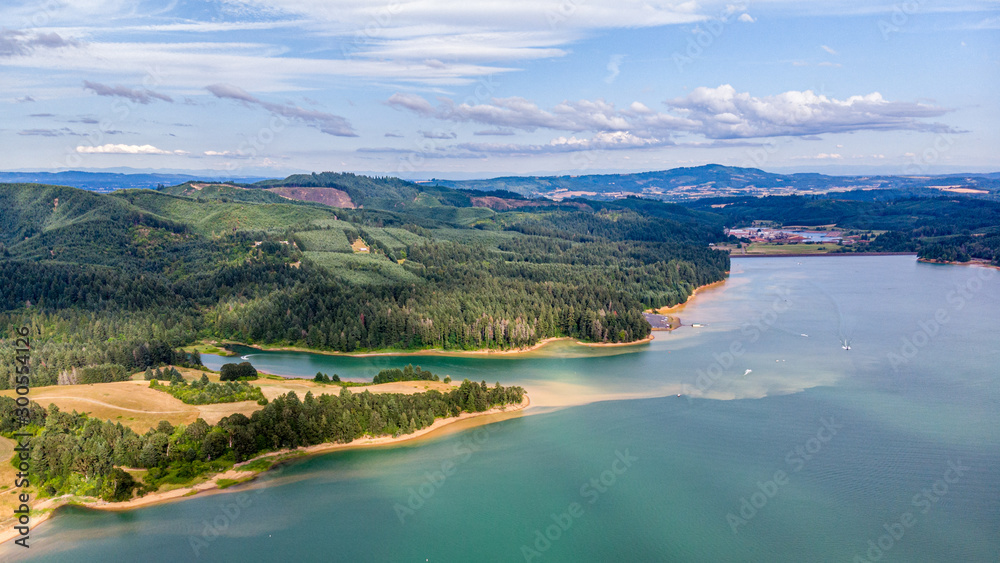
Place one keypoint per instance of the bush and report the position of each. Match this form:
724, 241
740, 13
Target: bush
235, 372
409, 373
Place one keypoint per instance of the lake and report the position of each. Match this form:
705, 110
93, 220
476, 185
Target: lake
754, 437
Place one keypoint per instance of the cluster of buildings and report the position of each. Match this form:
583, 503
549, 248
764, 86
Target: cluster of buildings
781, 236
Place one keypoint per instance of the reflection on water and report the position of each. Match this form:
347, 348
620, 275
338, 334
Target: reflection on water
904, 405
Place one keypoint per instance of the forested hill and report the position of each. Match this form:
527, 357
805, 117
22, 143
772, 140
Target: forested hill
689, 183
119, 282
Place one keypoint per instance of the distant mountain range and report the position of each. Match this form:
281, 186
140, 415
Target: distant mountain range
714, 180
678, 184
105, 181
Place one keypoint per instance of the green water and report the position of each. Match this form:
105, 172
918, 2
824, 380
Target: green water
832, 445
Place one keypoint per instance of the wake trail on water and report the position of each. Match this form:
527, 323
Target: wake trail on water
845, 325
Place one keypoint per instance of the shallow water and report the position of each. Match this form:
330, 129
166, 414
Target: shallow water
814, 452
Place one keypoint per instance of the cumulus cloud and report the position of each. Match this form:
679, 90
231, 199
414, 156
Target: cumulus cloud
14, 42
746, 18
820, 156
720, 115
227, 154
603, 141
724, 113
24, 99
326, 122
395, 135
139, 96
519, 113
126, 149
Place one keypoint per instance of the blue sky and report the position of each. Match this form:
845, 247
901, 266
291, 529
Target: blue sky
450, 88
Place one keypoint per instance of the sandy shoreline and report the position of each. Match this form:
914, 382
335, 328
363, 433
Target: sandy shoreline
679, 306
646, 340
212, 487
980, 263
439, 352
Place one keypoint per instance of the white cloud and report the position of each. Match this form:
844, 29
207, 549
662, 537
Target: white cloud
613, 68
257, 67
716, 113
141, 96
126, 149
828, 50
438, 134
820, 156
227, 154
15, 42
495, 132
746, 18
325, 122
519, 113
724, 113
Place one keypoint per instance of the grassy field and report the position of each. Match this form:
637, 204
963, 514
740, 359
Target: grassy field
473, 236
779, 249
362, 269
207, 348
326, 240
8, 494
208, 217
464, 216
395, 238
137, 406
140, 408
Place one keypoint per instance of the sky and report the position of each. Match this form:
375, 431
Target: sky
482, 88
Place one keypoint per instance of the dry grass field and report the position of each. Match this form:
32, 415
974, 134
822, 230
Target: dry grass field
8, 494
137, 406
779, 249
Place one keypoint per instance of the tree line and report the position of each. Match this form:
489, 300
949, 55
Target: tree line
72, 453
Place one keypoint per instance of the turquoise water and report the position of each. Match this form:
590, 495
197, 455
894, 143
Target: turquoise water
824, 449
